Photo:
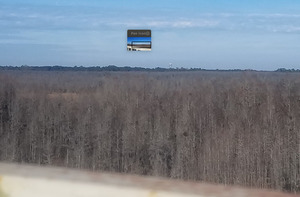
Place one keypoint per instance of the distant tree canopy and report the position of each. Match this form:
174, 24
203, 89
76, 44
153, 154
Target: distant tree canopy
95, 68
122, 69
287, 70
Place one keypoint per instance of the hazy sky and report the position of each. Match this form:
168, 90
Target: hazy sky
212, 34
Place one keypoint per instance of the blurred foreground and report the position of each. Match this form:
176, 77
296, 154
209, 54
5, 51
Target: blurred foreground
24, 181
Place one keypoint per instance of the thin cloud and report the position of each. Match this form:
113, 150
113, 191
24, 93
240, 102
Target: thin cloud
287, 29
183, 23
57, 18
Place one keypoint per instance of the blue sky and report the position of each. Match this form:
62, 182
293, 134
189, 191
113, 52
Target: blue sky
212, 34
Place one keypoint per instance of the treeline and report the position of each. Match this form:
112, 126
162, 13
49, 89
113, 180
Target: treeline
122, 69
287, 70
239, 128
94, 68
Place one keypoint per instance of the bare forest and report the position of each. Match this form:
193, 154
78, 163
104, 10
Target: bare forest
240, 128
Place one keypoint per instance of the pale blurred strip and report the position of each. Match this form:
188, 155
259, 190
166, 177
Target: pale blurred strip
33, 181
